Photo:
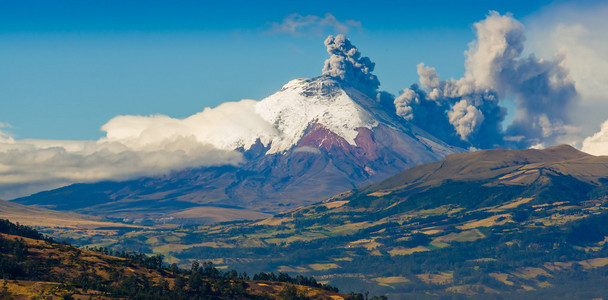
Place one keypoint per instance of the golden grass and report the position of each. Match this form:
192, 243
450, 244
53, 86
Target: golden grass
73, 259
442, 278
323, 267
407, 251
350, 228
544, 284
293, 269
530, 272
470, 289
376, 253
502, 277
344, 259
391, 280
274, 221
335, 204
598, 262
379, 193
368, 244
521, 177
152, 240
558, 219
220, 214
487, 222
431, 231
40, 217
463, 236
439, 244
511, 204
307, 236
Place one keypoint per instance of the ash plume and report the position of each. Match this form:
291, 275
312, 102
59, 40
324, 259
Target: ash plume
495, 70
346, 64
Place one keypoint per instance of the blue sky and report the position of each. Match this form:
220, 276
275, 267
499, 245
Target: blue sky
67, 67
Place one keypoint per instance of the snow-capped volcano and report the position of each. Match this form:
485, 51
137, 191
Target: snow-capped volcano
310, 140
303, 106
319, 137
303, 102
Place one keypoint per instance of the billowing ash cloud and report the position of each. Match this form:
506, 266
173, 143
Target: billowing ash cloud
597, 144
495, 69
347, 65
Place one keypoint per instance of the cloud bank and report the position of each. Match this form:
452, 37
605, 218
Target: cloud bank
134, 146
468, 111
298, 25
32, 165
597, 144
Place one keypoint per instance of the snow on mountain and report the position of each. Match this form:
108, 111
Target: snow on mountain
302, 102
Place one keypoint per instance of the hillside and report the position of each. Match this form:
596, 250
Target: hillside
32, 266
31, 215
525, 223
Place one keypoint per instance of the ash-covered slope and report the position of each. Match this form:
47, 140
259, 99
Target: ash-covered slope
311, 139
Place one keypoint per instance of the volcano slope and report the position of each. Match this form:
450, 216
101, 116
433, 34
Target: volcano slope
490, 223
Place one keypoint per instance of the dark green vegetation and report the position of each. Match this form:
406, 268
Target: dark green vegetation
494, 223
34, 266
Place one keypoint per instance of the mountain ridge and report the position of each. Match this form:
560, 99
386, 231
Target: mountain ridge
500, 161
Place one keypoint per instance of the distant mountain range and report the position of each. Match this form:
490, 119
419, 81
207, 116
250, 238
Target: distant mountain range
332, 138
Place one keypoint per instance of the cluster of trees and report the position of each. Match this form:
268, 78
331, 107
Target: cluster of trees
299, 279
11, 228
147, 261
14, 261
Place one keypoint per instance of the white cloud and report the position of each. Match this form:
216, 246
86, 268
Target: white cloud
229, 126
597, 144
298, 25
29, 166
579, 32
5, 137
134, 146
